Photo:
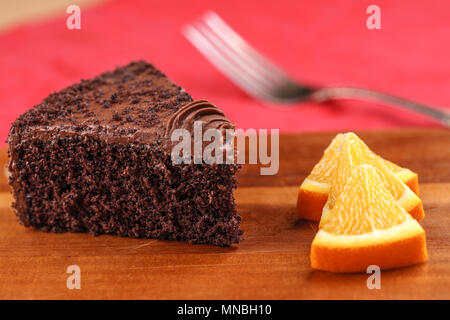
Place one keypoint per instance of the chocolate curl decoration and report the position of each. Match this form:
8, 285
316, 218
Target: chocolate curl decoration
200, 110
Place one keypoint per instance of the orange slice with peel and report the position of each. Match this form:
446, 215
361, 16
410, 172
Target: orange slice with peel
313, 193
354, 152
314, 190
366, 226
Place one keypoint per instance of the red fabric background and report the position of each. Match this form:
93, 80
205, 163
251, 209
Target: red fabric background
322, 42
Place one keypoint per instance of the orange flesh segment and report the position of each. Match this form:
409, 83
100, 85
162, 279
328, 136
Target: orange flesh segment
363, 205
322, 171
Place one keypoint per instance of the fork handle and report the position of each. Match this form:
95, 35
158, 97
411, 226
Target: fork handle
331, 93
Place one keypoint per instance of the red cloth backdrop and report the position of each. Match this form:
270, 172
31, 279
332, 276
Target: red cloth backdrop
322, 42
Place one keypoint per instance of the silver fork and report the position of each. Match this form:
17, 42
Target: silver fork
262, 79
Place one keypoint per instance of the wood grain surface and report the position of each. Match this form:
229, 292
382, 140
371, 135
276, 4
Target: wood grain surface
272, 262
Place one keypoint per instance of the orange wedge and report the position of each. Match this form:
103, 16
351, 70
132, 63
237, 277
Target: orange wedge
354, 152
366, 226
313, 193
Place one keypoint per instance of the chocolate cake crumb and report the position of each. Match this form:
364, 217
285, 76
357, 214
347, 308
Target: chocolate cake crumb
116, 116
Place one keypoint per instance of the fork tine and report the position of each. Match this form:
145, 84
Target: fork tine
203, 45
247, 52
234, 57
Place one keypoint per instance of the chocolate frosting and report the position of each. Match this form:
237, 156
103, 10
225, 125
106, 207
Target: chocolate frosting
130, 104
200, 110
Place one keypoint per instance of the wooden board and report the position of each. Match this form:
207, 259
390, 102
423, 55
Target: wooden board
272, 262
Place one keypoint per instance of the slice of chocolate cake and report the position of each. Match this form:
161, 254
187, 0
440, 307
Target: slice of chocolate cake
95, 157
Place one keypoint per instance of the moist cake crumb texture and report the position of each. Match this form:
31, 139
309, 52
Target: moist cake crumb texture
94, 157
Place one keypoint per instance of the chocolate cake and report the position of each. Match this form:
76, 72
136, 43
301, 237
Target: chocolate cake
95, 157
